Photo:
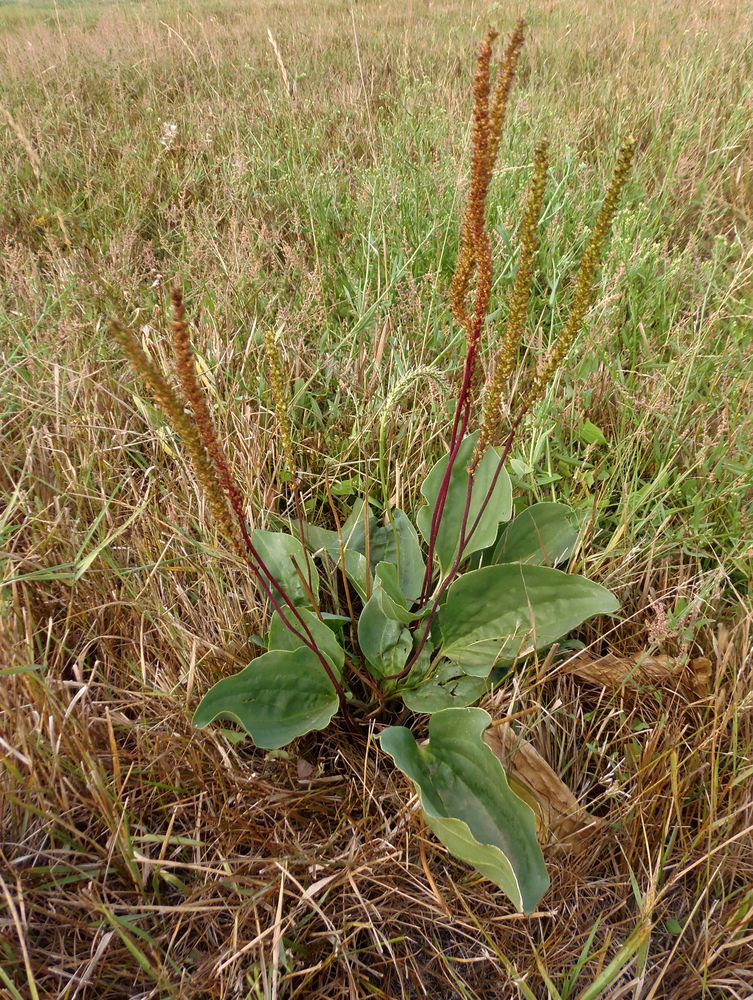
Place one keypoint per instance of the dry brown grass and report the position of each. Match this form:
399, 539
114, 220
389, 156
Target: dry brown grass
141, 858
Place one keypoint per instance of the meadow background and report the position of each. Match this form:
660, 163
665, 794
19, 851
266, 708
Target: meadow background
302, 166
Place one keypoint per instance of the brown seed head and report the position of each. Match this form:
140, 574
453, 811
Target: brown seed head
584, 284
518, 310
474, 221
167, 400
475, 246
505, 77
185, 369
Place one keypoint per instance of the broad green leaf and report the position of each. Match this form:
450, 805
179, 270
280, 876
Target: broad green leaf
591, 434
280, 637
498, 510
356, 569
279, 696
544, 533
321, 539
352, 535
397, 542
498, 613
449, 687
354, 529
357, 572
385, 642
468, 804
345, 487
390, 596
281, 554
391, 599
420, 669
335, 622
382, 635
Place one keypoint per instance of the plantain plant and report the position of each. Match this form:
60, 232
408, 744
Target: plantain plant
432, 612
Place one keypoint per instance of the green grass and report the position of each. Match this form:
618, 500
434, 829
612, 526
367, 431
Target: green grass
341, 217
329, 209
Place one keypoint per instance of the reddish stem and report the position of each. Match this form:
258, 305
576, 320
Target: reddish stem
459, 427
497, 472
462, 544
260, 570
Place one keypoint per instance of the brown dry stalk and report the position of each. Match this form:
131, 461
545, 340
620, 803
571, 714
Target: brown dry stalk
185, 369
561, 822
31, 153
631, 673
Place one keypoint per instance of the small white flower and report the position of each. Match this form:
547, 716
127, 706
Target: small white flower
168, 134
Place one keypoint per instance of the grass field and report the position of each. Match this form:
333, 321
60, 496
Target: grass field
302, 166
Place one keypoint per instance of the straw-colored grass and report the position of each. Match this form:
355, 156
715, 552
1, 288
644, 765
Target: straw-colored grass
300, 167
